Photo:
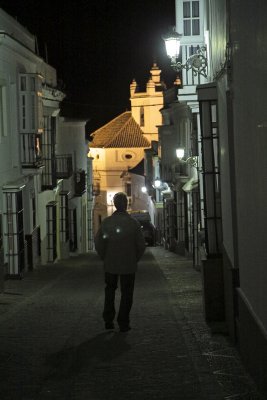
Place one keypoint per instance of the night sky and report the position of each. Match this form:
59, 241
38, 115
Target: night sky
98, 47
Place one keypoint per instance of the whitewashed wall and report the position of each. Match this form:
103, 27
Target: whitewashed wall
250, 127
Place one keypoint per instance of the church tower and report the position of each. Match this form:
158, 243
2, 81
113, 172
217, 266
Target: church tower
145, 106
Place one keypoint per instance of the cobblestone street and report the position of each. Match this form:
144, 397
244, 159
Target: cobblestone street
54, 346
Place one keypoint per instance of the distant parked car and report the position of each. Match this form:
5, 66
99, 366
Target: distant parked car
148, 229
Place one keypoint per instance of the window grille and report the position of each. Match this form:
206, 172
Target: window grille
33, 212
51, 213
188, 222
196, 225
211, 176
14, 231
79, 182
73, 230
170, 221
64, 217
49, 180
64, 166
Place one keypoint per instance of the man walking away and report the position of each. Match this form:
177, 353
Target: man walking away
120, 244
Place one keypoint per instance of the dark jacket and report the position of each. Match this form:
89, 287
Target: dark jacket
120, 243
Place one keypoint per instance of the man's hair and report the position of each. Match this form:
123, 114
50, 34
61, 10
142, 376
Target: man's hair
120, 201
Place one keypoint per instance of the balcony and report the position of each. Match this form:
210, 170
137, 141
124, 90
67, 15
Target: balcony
79, 182
64, 168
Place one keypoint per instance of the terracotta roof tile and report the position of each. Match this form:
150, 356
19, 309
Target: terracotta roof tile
122, 131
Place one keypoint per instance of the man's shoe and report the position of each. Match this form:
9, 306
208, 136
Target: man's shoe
125, 328
109, 325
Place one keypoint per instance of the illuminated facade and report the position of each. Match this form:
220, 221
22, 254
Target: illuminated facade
146, 105
116, 147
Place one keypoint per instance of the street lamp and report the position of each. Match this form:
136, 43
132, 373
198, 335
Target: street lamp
197, 62
190, 160
157, 183
180, 152
143, 189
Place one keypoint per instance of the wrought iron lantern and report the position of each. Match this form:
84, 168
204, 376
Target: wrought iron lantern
197, 61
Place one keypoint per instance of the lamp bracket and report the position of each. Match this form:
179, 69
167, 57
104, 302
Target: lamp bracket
197, 62
192, 161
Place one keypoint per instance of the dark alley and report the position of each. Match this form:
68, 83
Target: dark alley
54, 345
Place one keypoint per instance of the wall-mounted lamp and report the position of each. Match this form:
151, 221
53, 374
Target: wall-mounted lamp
162, 186
157, 183
190, 160
143, 189
180, 153
197, 62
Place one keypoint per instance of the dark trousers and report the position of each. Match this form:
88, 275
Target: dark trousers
127, 289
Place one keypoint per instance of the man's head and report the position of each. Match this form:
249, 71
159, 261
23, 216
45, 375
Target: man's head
120, 201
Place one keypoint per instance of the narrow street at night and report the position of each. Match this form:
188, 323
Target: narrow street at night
54, 345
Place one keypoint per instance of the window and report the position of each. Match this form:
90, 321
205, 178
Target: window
186, 9
142, 116
195, 27
193, 50
31, 105
73, 243
128, 189
48, 153
96, 188
211, 171
191, 18
64, 217
38, 146
195, 9
14, 231
130, 155
3, 110
23, 111
23, 85
33, 211
1, 233
51, 223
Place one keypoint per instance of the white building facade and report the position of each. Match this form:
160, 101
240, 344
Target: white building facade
231, 134
242, 141
34, 202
